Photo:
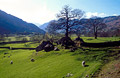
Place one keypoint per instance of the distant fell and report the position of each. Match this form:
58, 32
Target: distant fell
11, 24
44, 26
112, 22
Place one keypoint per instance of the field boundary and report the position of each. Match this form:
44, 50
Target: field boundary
14, 42
18, 48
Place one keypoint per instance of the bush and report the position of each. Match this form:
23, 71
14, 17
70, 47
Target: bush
36, 38
24, 39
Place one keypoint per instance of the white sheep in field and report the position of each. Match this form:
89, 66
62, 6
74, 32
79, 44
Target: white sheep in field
69, 75
11, 62
83, 63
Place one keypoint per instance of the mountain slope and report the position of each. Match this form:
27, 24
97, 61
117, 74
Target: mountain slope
113, 22
44, 26
112, 26
12, 24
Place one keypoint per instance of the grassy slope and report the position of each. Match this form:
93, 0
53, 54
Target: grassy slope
49, 65
46, 65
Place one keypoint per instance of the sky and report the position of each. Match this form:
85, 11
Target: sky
42, 11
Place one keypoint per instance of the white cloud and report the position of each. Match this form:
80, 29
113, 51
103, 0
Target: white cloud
90, 14
28, 10
115, 14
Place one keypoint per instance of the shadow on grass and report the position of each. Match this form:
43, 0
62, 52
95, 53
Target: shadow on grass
86, 65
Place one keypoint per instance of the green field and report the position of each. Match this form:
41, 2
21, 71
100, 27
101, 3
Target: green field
54, 64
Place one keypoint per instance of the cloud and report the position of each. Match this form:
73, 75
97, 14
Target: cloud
115, 15
90, 14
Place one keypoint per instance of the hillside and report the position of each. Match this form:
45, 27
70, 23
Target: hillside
112, 27
12, 24
112, 22
44, 26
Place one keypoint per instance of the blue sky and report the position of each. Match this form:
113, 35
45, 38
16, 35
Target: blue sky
41, 11
107, 6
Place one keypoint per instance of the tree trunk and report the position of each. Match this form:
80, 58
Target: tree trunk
95, 32
66, 34
95, 35
67, 26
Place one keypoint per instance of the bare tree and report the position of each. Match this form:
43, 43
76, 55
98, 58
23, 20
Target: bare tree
96, 24
68, 18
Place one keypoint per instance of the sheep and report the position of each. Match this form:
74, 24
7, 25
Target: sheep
11, 62
87, 76
5, 53
32, 60
83, 63
69, 75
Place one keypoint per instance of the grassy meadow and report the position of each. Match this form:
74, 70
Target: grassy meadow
54, 64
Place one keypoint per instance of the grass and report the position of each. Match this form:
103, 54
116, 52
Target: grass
22, 45
54, 64
15, 38
46, 65
99, 39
